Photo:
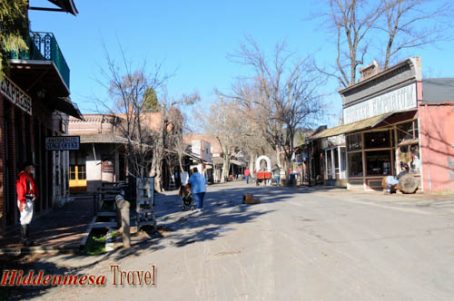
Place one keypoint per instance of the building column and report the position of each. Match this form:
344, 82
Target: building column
333, 165
2, 169
340, 161
12, 166
326, 164
116, 165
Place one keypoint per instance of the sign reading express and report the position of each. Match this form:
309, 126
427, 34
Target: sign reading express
15, 94
62, 143
401, 99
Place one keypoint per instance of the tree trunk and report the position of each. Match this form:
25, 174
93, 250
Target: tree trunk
180, 161
278, 156
158, 179
156, 169
252, 163
225, 167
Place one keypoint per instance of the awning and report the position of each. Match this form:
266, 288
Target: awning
195, 157
357, 126
65, 105
218, 161
239, 163
408, 142
103, 138
66, 5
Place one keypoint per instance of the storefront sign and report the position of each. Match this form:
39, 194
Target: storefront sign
107, 166
16, 95
397, 100
62, 143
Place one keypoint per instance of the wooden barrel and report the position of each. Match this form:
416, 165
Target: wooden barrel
248, 198
408, 184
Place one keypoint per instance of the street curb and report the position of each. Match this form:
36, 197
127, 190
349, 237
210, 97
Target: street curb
38, 250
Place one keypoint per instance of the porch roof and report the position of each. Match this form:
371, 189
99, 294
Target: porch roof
66, 6
103, 138
357, 126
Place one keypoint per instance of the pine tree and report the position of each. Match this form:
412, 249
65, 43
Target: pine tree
150, 101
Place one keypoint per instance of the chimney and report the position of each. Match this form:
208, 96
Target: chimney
369, 71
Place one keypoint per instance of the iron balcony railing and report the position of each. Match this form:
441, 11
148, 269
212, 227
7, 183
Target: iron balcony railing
43, 46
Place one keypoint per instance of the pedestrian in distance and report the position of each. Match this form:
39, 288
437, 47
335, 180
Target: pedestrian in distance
247, 174
198, 187
27, 193
277, 175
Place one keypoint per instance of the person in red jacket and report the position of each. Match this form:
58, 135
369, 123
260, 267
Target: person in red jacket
247, 174
26, 195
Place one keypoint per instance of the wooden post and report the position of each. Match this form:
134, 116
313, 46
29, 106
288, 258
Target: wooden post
123, 208
326, 165
333, 165
339, 158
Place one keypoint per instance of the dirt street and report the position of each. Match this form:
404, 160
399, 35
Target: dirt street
298, 244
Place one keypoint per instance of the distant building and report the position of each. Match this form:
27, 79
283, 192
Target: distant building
202, 149
101, 157
103, 153
213, 159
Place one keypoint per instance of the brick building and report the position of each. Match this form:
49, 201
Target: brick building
34, 104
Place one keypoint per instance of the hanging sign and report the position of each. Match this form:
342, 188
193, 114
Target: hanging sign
16, 95
62, 143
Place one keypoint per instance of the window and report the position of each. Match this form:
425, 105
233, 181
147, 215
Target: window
72, 172
407, 131
355, 165
377, 140
81, 172
336, 159
343, 159
415, 164
415, 129
77, 172
378, 163
354, 142
409, 154
329, 165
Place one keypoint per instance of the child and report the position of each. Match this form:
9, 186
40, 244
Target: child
186, 196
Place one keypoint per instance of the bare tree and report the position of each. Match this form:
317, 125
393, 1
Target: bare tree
352, 20
224, 122
358, 25
151, 124
411, 24
252, 139
170, 139
280, 96
181, 122
129, 89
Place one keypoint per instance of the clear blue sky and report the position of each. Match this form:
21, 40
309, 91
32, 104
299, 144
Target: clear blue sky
192, 39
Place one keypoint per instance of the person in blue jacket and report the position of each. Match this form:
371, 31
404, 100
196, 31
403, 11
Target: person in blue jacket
198, 187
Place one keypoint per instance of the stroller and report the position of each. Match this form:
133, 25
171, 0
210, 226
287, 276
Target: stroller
186, 197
